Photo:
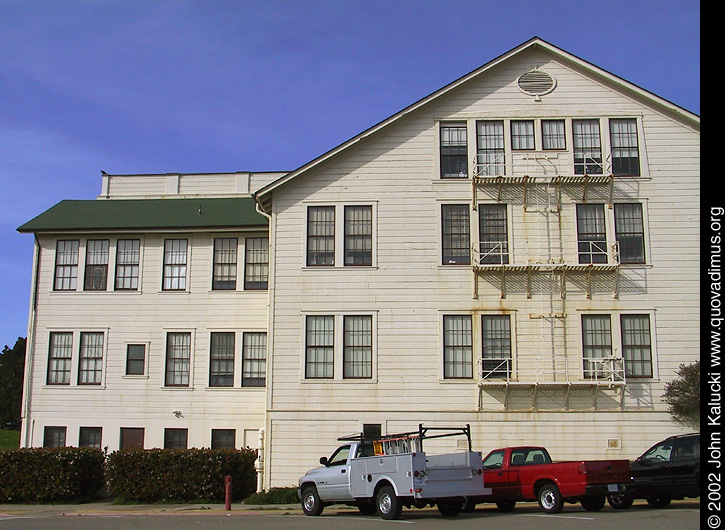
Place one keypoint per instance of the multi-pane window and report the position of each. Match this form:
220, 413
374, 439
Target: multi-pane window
625, 147
490, 153
223, 438
96, 265
225, 263
596, 342
493, 231
175, 438
90, 360
456, 226
135, 359
66, 265
221, 360
59, 358
54, 437
629, 230
256, 263
553, 135
90, 437
320, 235
358, 235
357, 347
496, 340
454, 150
178, 359
522, 135
319, 347
175, 257
591, 233
457, 347
636, 345
128, 257
587, 147
254, 359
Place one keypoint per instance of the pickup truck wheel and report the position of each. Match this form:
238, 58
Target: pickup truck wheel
620, 501
469, 505
450, 508
550, 500
593, 503
505, 506
388, 504
311, 503
658, 502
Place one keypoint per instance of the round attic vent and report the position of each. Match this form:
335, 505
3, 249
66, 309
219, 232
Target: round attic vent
536, 83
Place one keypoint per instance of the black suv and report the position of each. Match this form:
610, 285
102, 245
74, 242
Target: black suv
668, 470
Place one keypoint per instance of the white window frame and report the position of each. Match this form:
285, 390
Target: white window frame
75, 358
192, 354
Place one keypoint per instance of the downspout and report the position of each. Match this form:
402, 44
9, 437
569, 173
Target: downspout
261, 464
25, 420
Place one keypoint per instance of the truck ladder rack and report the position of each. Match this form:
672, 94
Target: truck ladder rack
408, 442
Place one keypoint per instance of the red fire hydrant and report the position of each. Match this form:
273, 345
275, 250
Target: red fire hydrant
228, 493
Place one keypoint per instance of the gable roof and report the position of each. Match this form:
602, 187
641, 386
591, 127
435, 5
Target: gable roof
148, 214
263, 196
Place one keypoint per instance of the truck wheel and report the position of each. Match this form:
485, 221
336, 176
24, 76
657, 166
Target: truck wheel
593, 503
620, 501
450, 508
388, 504
505, 506
469, 505
550, 500
658, 502
311, 503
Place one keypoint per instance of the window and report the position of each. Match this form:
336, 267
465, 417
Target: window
96, 265
66, 266
256, 264
90, 363
175, 256
591, 233
490, 158
456, 234
175, 438
254, 359
454, 150
320, 235
178, 359
629, 230
59, 358
90, 437
223, 438
132, 437
493, 231
494, 460
522, 135
625, 147
225, 264
587, 147
320, 350
128, 257
597, 343
135, 359
358, 347
54, 437
221, 360
636, 345
457, 347
358, 235
496, 340
553, 135
339, 457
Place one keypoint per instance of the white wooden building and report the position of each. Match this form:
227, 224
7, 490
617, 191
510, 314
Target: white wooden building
518, 251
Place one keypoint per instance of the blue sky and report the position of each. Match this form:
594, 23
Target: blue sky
202, 86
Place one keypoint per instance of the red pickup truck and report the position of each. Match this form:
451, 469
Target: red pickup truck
528, 474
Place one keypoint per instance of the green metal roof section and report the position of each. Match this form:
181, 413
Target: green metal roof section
148, 214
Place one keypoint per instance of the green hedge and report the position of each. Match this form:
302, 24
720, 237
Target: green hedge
50, 475
163, 475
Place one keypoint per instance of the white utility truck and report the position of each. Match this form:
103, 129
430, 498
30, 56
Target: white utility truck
383, 474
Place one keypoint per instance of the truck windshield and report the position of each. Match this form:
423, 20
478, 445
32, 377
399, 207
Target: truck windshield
339, 457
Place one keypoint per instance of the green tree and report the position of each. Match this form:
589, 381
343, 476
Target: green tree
12, 368
683, 395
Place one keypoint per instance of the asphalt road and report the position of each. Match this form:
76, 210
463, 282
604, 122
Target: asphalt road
681, 515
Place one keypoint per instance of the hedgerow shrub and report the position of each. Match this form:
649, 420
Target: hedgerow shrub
274, 496
180, 475
50, 475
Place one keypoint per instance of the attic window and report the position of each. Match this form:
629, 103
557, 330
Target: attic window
536, 83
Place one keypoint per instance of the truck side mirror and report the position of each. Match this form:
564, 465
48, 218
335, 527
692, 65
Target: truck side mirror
323, 460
